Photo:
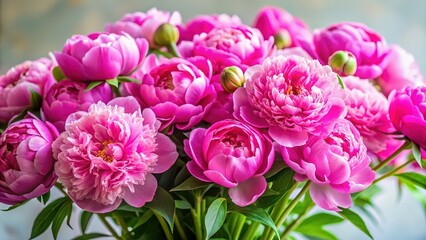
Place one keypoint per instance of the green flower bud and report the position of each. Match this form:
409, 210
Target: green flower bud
343, 63
282, 39
166, 34
232, 78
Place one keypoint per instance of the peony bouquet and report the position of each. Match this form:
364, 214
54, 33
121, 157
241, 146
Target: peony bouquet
212, 128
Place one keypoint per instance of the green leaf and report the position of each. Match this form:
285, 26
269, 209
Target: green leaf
128, 79
281, 183
319, 233
414, 178
89, 236
44, 198
341, 82
163, 204
113, 82
46, 216
319, 220
35, 100
127, 208
182, 204
92, 85
58, 74
61, 213
256, 214
416, 153
144, 218
215, 217
190, 184
356, 220
84, 220
14, 206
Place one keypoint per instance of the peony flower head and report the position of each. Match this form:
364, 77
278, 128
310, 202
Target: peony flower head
231, 154
367, 46
143, 25
337, 165
291, 97
109, 153
67, 97
100, 56
26, 161
17, 85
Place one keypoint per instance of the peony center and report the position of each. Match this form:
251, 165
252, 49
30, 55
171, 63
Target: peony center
293, 90
110, 151
166, 82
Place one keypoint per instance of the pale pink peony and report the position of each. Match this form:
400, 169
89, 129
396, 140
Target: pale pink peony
231, 154
26, 161
291, 97
177, 90
368, 111
18, 83
337, 165
67, 97
143, 25
110, 153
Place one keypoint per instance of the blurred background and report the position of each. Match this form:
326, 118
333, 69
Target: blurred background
31, 29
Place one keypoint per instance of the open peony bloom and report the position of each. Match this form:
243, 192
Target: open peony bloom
337, 165
18, 83
100, 56
177, 90
143, 25
291, 97
67, 97
366, 45
368, 111
407, 112
231, 154
26, 161
110, 153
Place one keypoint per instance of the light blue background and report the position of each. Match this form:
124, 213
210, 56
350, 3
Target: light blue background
32, 28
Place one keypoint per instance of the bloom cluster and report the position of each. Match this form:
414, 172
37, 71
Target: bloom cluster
172, 117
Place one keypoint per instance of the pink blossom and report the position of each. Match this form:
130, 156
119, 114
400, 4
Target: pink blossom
17, 85
110, 153
66, 97
337, 165
368, 47
177, 90
100, 56
143, 25
26, 161
231, 154
401, 71
291, 97
407, 113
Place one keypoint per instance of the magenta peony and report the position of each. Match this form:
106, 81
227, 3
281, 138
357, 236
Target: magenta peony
368, 47
292, 97
177, 90
110, 153
67, 97
407, 112
100, 56
337, 165
143, 25
26, 161
18, 83
231, 154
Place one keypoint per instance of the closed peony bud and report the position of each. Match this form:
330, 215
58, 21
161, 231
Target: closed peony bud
343, 63
282, 39
166, 34
232, 78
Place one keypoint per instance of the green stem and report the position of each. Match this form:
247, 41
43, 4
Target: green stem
196, 214
393, 171
164, 226
239, 224
180, 229
108, 226
296, 222
60, 188
124, 232
251, 231
391, 157
172, 48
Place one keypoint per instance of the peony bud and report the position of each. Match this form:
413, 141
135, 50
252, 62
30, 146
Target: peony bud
232, 78
282, 39
166, 34
343, 63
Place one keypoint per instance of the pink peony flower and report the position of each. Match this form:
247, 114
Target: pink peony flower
291, 97
18, 83
177, 90
67, 97
231, 154
271, 20
143, 25
100, 56
26, 161
337, 165
408, 113
401, 71
368, 111
110, 153
366, 45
